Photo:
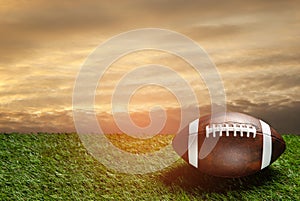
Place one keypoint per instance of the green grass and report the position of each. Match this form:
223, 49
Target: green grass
57, 167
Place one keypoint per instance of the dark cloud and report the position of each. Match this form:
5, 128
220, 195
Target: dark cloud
267, 57
283, 82
284, 118
267, 82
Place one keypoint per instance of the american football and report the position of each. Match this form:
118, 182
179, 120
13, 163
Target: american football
229, 145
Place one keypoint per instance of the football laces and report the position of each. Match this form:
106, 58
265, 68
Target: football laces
224, 129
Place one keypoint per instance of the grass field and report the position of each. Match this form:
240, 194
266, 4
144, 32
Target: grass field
57, 167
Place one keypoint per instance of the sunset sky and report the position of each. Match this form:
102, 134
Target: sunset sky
255, 46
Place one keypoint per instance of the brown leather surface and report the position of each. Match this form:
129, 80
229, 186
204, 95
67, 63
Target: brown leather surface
278, 147
232, 156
